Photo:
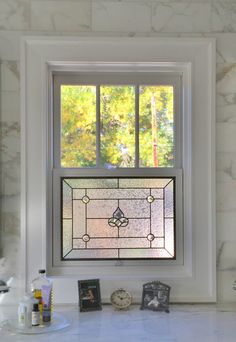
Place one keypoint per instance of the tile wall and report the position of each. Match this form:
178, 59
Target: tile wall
119, 18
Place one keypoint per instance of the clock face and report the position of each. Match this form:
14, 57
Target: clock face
121, 299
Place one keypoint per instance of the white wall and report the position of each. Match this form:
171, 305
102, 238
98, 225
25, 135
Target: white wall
120, 18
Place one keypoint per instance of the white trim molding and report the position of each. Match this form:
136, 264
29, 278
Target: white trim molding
194, 279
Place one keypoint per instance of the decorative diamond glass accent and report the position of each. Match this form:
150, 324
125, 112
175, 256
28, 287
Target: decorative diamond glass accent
85, 199
150, 199
85, 237
118, 218
150, 237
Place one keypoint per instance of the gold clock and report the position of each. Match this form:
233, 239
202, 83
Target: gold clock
121, 299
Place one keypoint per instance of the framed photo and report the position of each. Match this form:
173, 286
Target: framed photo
89, 295
155, 296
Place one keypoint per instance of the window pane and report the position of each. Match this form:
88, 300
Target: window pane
117, 126
78, 126
133, 218
156, 126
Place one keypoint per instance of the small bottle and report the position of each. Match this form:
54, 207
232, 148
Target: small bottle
46, 314
22, 315
25, 310
35, 315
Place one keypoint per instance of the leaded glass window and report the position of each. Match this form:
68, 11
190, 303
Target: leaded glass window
118, 218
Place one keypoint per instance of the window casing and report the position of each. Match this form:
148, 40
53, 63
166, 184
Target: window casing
193, 279
75, 244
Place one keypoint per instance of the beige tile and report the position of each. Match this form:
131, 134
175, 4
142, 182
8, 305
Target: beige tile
121, 16
226, 226
226, 196
226, 107
10, 106
51, 15
226, 77
223, 18
225, 137
181, 17
14, 14
10, 76
225, 166
225, 280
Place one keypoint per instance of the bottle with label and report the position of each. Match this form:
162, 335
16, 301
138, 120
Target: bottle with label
25, 310
46, 314
35, 315
22, 315
38, 286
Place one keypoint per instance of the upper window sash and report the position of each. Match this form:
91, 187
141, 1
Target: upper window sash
97, 79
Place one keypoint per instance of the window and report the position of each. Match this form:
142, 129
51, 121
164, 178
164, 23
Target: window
186, 65
118, 125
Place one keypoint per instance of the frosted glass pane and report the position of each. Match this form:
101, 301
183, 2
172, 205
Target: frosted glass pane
136, 228
101, 208
156, 122
144, 253
86, 183
158, 243
144, 182
157, 219
67, 236
169, 232
79, 219
79, 243
67, 201
117, 193
117, 109
169, 198
78, 193
93, 254
78, 126
100, 228
157, 193
135, 208
118, 243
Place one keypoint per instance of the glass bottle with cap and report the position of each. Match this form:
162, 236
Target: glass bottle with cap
35, 315
36, 287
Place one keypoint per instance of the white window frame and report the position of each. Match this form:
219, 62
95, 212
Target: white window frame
195, 278
111, 74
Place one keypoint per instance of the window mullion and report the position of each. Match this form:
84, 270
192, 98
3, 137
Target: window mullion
137, 126
98, 128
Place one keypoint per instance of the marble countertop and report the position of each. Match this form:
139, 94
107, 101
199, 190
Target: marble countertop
184, 323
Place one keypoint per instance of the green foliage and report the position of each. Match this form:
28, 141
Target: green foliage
163, 99
117, 125
117, 116
78, 126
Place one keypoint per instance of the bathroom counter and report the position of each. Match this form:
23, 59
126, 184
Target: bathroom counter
184, 323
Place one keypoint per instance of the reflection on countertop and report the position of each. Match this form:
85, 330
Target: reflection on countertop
184, 323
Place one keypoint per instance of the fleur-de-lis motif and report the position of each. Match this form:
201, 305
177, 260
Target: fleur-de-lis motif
118, 219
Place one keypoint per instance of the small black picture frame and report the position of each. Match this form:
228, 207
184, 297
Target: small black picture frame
89, 295
156, 296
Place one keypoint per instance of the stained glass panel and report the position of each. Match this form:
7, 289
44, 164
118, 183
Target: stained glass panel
118, 218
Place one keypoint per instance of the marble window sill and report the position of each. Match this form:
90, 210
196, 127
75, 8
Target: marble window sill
184, 323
